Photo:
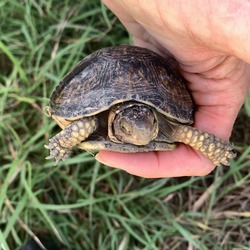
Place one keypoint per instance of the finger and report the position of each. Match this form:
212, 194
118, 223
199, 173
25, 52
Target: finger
181, 162
218, 101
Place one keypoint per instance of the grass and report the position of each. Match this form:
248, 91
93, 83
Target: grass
81, 203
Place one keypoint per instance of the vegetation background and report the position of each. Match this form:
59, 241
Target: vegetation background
81, 203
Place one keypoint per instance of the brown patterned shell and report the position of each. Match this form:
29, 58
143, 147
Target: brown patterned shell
117, 74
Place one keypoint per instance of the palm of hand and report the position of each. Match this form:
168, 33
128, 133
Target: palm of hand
217, 79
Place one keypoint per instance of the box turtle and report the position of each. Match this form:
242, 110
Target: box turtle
127, 99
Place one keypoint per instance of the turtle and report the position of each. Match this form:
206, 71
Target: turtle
127, 99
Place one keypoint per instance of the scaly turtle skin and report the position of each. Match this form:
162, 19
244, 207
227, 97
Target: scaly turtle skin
127, 99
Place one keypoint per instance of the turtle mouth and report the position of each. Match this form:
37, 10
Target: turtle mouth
134, 123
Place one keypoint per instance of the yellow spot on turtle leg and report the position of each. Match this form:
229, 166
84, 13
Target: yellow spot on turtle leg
214, 148
75, 134
189, 134
82, 132
87, 125
211, 148
80, 124
75, 127
93, 123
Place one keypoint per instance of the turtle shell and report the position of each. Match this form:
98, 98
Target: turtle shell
122, 73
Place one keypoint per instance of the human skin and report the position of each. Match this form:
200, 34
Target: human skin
210, 41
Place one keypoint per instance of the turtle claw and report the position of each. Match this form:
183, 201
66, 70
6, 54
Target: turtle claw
57, 152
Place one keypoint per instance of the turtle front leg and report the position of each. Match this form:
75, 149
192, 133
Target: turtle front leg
61, 144
214, 148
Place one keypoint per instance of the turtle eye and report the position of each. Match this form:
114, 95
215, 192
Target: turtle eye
125, 126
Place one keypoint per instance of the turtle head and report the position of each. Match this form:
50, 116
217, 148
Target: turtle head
133, 123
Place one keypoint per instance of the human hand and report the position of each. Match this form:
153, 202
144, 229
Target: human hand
210, 40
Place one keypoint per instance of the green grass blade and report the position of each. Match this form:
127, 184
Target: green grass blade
15, 61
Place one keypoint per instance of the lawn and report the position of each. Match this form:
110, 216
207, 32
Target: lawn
81, 203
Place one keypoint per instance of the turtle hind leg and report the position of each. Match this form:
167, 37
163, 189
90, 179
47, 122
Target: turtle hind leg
214, 148
61, 144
